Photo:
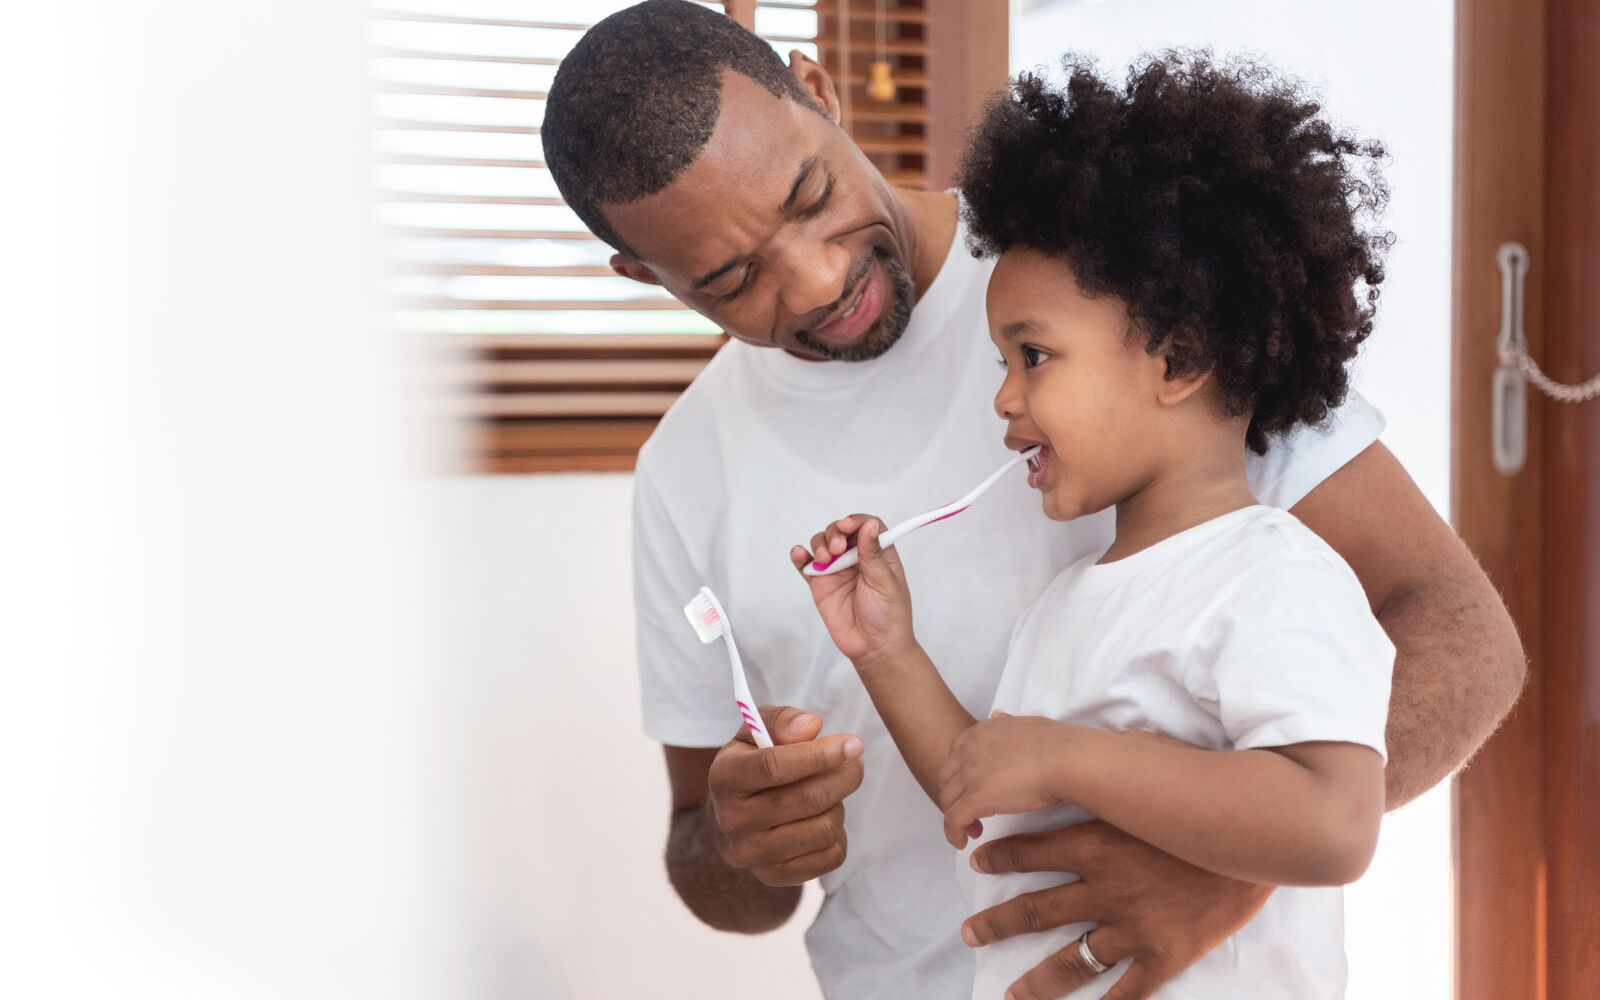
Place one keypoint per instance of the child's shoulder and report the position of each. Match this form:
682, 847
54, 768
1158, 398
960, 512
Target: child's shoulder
1274, 560
1275, 540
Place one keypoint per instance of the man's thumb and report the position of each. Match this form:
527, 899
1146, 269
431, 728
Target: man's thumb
786, 724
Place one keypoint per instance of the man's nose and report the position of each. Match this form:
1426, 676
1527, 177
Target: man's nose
812, 277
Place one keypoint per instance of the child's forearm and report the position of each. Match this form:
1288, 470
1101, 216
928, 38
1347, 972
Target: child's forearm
1305, 815
918, 709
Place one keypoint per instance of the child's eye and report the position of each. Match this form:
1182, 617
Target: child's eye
1001, 362
1031, 356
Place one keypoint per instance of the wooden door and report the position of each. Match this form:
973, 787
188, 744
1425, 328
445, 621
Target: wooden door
1527, 811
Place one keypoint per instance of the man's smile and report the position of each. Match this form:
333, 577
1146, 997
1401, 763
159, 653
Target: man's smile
858, 316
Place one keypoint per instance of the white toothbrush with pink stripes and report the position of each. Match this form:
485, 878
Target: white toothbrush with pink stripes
710, 621
904, 528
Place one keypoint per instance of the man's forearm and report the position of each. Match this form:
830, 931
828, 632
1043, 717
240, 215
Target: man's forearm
724, 897
1459, 667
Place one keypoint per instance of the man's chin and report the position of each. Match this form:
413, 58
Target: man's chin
875, 343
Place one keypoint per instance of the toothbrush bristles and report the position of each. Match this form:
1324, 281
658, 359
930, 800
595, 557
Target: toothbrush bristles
703, 615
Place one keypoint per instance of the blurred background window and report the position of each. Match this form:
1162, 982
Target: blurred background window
557, 363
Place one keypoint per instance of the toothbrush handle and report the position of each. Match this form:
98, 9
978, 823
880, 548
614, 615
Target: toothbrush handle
906, 527
888, 538
741, 695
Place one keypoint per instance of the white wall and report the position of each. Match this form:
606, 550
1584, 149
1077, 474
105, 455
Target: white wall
570, 798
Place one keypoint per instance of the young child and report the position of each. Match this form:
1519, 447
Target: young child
1182, 274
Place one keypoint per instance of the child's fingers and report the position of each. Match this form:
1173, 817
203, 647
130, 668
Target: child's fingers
960, 825
955, 835
950, 792
800, 557
842, 532
874, 561
838, 539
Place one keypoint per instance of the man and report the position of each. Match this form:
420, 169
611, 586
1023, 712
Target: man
860, 378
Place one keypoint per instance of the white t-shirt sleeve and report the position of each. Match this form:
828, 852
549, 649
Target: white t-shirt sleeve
1292, 654
685, 686
1298, 463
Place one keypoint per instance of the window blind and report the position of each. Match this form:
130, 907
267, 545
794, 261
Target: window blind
556, 362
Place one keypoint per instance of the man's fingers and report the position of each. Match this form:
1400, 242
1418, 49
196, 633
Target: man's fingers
796, 871
807, 797
788, 725
1029, 913
793, 840
1066, 970
784, 725
1136, 984
1047, 851
759, 769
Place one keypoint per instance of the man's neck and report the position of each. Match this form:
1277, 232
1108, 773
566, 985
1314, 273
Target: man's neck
930, 227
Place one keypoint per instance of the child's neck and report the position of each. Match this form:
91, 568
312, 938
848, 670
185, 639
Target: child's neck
1178, 498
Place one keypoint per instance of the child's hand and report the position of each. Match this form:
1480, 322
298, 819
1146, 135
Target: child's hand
998, 767
867, 608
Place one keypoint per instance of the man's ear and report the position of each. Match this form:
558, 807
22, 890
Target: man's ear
816, 82
635, 269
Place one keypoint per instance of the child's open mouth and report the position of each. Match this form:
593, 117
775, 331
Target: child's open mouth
1036, 466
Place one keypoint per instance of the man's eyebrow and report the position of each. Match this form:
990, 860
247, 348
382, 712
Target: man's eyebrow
809, 164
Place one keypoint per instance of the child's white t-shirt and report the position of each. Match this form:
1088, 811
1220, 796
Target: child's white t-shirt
1246, 631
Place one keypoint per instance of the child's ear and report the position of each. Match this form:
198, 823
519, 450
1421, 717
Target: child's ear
1170, 390
1173, 391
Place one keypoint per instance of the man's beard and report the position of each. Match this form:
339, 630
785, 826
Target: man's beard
890, 324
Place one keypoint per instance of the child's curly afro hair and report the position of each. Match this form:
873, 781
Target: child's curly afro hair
1213, 201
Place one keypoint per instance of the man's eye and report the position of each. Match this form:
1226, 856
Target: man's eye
743, 284
822, 202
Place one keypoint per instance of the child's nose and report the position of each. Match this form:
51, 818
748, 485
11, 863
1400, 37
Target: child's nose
1008, 401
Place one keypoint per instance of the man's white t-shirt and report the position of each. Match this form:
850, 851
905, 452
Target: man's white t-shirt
765, 449
1245, 632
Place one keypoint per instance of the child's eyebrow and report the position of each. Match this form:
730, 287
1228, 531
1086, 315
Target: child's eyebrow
1013, 330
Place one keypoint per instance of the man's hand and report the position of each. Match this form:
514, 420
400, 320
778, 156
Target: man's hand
1146, 905
779, 811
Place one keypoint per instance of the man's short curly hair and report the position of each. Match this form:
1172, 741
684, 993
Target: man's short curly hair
1213, 201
